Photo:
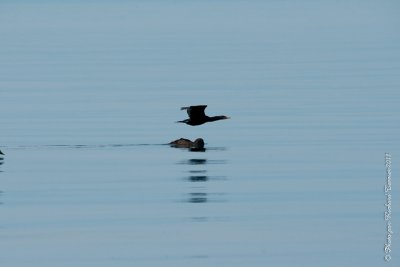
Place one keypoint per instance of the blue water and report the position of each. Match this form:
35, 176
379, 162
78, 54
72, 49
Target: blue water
89, 95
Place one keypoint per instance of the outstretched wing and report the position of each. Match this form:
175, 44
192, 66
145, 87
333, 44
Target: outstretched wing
195, 112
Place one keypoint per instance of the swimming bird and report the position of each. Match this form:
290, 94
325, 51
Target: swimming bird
198, 117
197, 145
1, 153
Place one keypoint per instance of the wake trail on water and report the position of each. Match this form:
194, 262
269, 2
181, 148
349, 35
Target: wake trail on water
78, 146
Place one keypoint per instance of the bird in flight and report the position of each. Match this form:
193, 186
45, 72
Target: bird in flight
198, 117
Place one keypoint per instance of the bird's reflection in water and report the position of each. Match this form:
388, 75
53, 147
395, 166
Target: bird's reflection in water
198, 178
197, 161
197, 197
201, 162
198, 171
199, 174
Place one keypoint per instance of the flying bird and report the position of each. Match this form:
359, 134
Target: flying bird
198, 117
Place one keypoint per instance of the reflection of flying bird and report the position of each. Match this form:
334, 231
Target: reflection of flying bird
198, 117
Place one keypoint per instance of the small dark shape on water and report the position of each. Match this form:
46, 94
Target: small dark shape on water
198, 117
197, 145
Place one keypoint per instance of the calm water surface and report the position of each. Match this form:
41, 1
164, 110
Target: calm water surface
90, 91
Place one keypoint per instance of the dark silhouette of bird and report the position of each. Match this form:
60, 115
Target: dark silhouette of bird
1, 153
197, 145
198, 117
